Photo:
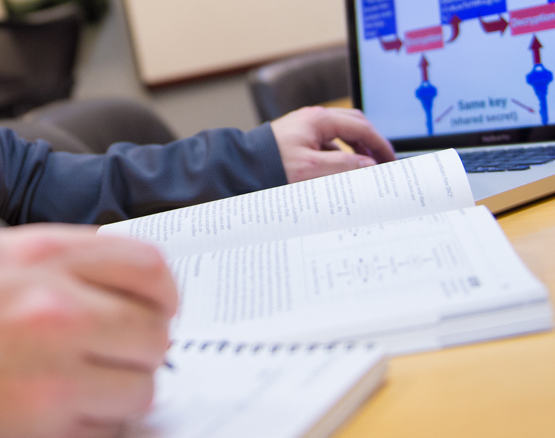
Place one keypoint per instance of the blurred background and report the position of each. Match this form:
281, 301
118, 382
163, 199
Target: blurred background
105, 66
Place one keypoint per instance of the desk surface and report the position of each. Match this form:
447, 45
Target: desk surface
498, 389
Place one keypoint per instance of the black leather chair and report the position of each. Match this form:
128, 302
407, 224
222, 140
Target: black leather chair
37, 54
308, 79
91, 126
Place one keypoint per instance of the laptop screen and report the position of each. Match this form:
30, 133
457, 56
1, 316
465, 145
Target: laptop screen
470, 72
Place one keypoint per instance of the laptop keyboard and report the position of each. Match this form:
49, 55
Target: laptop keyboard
506, 159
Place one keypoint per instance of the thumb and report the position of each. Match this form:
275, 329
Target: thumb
331, 162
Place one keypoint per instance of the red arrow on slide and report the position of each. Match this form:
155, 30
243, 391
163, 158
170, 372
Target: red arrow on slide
396, 44
455, 22
495, 26
535, 47
444, 114
424, 66
520, 104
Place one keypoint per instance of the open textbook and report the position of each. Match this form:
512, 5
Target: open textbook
275, 284
394, 253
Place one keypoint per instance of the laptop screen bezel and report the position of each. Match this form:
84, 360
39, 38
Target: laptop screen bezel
532, 134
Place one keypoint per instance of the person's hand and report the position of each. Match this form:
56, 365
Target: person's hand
83, 327
305, 142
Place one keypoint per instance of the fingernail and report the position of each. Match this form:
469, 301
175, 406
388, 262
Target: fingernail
365, 162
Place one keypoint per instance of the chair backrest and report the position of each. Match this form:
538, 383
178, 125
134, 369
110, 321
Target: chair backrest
98, 123
303, 80
31, 131
43, 45
91, 126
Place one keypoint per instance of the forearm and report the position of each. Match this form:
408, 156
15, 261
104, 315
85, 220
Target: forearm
130, 181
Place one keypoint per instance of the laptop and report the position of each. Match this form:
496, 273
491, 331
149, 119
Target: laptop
473, 75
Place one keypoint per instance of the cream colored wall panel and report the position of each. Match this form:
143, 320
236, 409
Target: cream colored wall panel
179, 39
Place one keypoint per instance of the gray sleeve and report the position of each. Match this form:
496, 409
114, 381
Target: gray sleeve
130, 180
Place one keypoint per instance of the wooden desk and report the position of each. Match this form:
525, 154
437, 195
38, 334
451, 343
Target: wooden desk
498, 389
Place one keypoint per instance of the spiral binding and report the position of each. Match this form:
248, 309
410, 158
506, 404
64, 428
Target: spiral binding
271, 347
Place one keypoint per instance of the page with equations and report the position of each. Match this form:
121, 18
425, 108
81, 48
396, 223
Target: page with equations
358, 281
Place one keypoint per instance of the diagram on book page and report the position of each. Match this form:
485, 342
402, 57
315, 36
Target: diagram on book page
387, 268
361, 275
456, 65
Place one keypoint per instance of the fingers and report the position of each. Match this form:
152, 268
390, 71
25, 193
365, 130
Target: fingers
128, 267
313, 164
108, 394
27, 244
351, 112
305, 140
335, 162
85, 320
126, 332
122, 265
331, 146
66, 304
64, 323
91, 353
352, 127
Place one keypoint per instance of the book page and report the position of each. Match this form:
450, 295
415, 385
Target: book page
414, 186
358, 281
222, 391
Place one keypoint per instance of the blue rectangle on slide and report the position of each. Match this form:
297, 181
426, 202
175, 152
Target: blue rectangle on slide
469, 9
379, 18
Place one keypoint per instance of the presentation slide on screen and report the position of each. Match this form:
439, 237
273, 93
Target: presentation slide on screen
435, 67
